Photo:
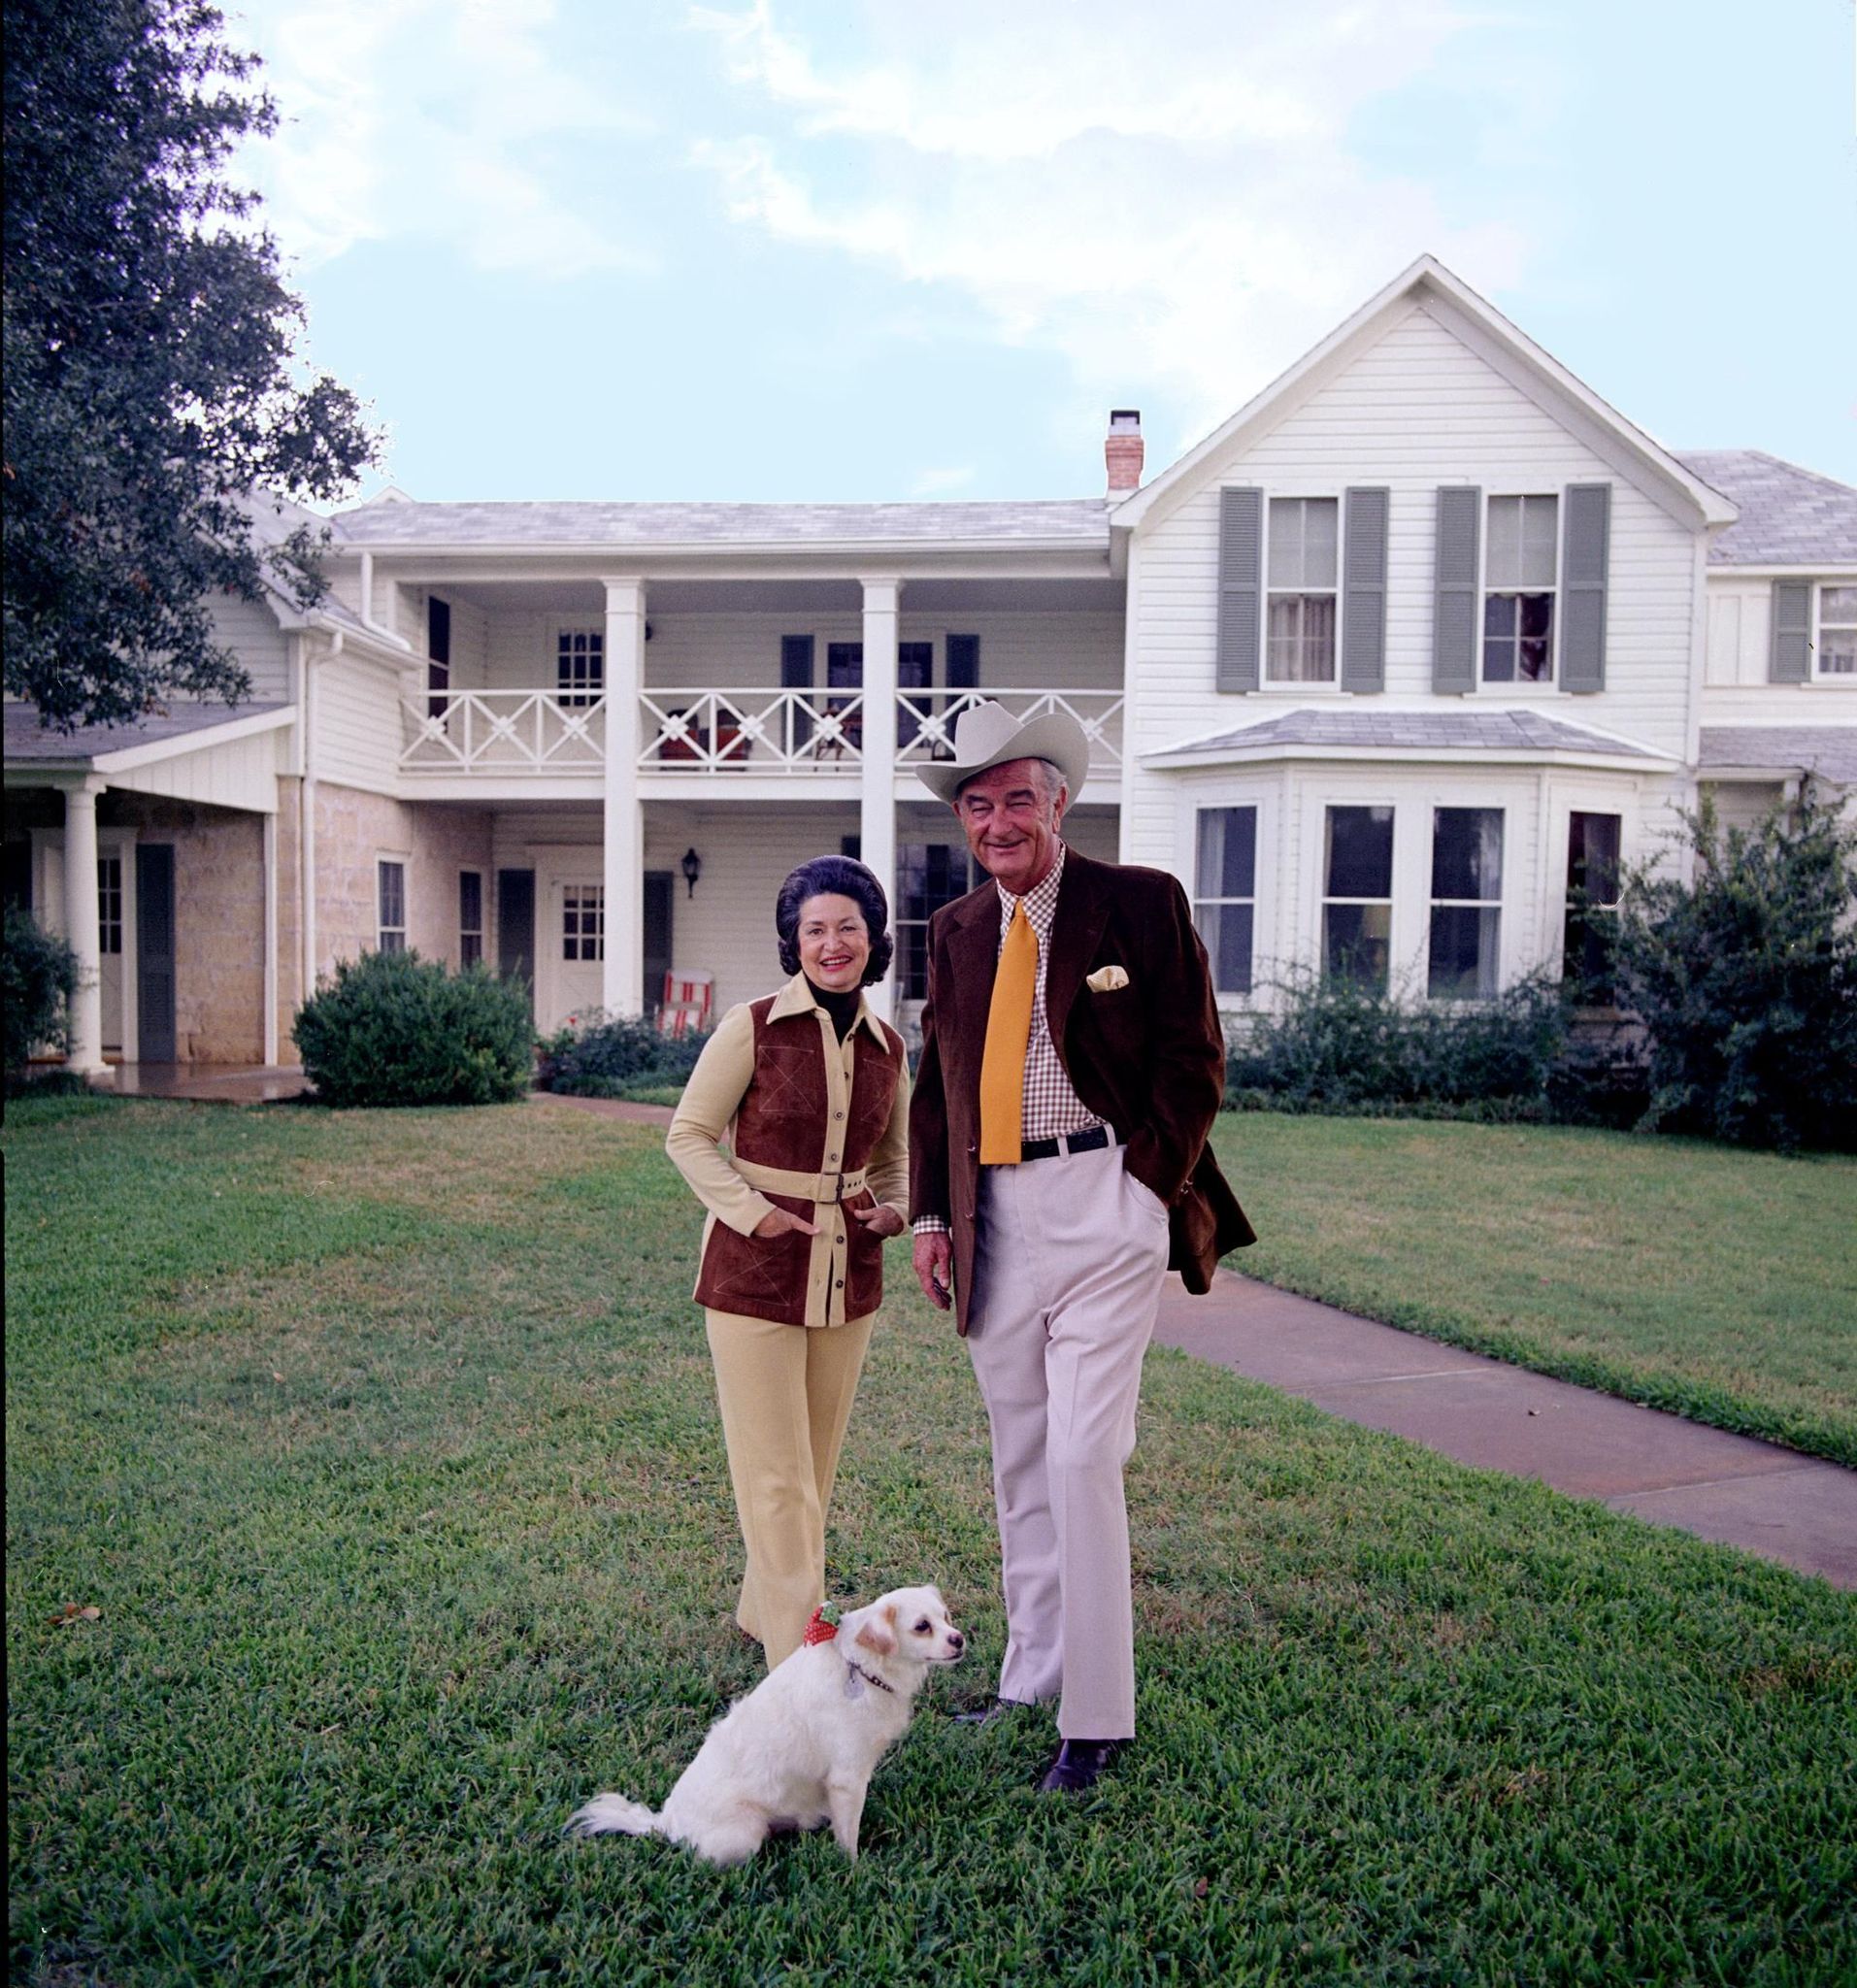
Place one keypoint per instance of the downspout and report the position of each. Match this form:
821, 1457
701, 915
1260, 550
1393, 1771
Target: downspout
306, 822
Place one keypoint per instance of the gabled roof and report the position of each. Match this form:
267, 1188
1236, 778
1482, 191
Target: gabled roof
398, 521
1789, 517
1410, 733
107, 748
1543, 375
1828, 751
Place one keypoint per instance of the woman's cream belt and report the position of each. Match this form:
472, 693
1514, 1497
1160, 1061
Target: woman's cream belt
814, 1187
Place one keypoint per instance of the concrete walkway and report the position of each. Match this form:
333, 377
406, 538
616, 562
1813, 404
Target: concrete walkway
1793, 1509
213, 1084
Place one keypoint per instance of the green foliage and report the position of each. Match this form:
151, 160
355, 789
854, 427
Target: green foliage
151, 377
1336, 1046
394, 1029
616, 1055
38, 977
1745, 978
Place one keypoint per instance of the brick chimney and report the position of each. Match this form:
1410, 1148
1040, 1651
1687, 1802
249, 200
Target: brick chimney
1122, 451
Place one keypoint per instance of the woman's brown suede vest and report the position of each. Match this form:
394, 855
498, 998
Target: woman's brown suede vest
782, 1122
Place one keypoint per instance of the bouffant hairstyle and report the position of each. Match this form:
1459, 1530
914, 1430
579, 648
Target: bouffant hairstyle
836, 876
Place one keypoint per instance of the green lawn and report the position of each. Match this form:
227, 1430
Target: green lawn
385, 1445
1717, 1283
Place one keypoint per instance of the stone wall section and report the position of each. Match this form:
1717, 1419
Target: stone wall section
354, 829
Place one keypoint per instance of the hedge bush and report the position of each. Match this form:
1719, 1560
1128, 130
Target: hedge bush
1744, 975
394, 1029
612, 1055
1335, 1045
38, 977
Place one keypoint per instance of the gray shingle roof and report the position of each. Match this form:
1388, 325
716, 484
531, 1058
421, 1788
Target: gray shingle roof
1407, 731
1084, 520
1830, 750
1789, 517
27, 739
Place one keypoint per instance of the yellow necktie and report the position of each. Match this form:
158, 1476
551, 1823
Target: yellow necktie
1009, 1027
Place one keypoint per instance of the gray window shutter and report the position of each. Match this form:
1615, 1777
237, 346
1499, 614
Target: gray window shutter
1586, 558
1240, 587
1460, 512
1792, 651
1364, 591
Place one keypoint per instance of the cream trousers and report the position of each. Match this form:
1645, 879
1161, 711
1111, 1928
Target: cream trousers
1067, 1281
785, 1393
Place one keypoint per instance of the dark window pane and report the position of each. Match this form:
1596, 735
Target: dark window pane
1537, 614
1536, 664
1467, 852
470, 949
470, 901
1227, 852
1360, 852
392, 896
1593, 843
1498, 614
1226, 930
1354, 942
1463, 952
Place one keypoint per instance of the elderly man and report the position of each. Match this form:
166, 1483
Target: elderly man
1072, 1065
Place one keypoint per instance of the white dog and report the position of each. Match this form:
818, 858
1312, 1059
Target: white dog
801, 1747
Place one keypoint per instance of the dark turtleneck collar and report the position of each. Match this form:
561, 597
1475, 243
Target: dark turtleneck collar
841, 1008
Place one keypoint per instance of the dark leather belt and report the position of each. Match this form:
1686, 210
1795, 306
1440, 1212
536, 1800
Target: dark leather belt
1091, 1142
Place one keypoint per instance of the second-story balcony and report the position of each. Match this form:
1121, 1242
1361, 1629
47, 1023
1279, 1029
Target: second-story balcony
715, 735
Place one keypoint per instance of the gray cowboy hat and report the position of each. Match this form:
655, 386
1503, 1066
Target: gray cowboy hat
988, 735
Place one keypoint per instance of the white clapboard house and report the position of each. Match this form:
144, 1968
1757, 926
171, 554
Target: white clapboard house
1422, 636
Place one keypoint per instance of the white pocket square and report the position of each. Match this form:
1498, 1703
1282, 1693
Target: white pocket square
1106, 979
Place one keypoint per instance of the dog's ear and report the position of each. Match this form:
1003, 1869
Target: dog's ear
877, 1633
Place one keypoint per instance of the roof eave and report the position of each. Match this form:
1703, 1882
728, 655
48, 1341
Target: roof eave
1413, 756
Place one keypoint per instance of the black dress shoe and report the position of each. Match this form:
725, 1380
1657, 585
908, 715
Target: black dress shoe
1077, 1765
994, 1709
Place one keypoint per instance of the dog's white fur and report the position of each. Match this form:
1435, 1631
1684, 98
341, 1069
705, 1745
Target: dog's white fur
799, 1750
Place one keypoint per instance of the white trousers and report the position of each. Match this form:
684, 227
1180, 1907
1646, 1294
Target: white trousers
1067, 1281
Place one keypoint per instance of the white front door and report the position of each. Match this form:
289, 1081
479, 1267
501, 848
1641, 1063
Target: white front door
576, 939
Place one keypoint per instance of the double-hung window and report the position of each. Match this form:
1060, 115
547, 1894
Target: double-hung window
390, 893
1467, 904
470, 917
1518, 590
1357, 897
580, 665
1836, 631
1225, 893
584, 921
1299, 645
109, 903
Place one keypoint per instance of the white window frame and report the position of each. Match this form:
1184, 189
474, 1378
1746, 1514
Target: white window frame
1321, 805
1519, 684
383, 860
572, 695
1820, 588
1435, 903
1300, 591
1204, 903
467, 933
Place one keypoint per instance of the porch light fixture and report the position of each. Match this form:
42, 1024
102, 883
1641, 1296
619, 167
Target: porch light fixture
693, 868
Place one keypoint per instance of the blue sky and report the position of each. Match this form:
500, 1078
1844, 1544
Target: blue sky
629, 249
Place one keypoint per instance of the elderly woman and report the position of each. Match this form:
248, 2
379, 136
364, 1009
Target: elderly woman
812, 1093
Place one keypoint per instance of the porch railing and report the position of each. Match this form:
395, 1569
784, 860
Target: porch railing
503, 731
750, 731
925, 720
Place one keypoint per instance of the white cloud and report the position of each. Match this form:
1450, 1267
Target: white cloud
425, 118
1165, 195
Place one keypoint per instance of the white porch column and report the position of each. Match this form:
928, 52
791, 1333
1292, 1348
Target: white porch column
80, 925
623, 973
876, 812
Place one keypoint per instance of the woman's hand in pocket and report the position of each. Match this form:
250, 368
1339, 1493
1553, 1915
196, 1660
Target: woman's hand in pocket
777, 1222
879, 1219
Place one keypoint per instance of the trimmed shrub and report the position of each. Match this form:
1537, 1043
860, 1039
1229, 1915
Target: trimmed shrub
38, 977
1337, 1046
1745, 978
394, 1029
614, 1056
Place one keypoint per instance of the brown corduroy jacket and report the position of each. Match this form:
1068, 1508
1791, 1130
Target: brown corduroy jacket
1147, 1058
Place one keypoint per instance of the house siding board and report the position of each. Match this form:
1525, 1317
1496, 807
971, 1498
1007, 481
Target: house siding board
360, 721
251, 631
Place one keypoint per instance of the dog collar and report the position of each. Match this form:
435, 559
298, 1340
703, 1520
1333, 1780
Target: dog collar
857, 1670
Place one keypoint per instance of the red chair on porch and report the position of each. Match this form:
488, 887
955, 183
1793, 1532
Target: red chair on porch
688, 1000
